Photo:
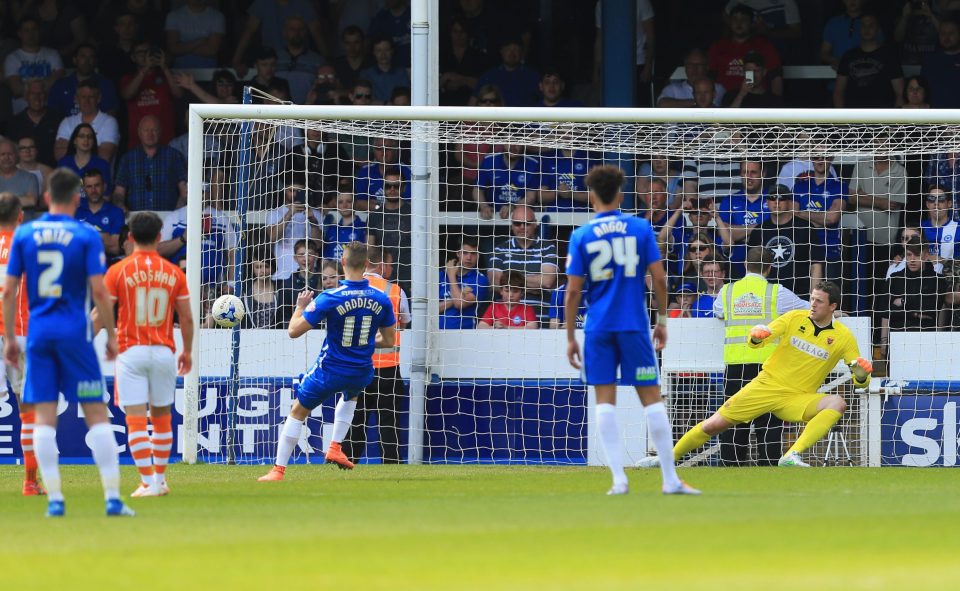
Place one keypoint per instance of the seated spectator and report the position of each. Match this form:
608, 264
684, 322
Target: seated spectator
389, 225
293, 220
296, 62
878, 191
821, 200
662, 167
37, 122
940, 67
31, 62
150, 92
870, 75
510, 312
915, 293
739, 214
656, 210
342, 227
105, 126
679, 93
464, 290
777, 21
681, 232
698, 248
384, 74
27, 152
369, 185
106, 217
224, 87
19, 182
358, 147
682, 299
915, 93
465, 158
798, 169
355, 58
712, 277
938, 226
506, 179
261, 296
327, 89
754, 92
63, 93
151, 176
518, 84
797, 253
725, 57
194, 33
330, 274
401, 97
62, 25
219, 237
533, 257
564, 180
460, 65
308, 275
841, 33
711, 177
558, 312
943, 170
899, 251
82, 156
552, 87
393, 22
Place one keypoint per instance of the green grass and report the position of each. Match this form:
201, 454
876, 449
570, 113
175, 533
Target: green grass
485, 528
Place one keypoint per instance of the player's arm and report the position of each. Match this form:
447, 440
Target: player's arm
298, 324
386, 337
861, 369
185, 315
11, 287
104, 306
761, 333
658, 278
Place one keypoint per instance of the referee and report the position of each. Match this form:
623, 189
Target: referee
741, 305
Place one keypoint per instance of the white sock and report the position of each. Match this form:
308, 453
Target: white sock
289, 437
48, 460
658, 425
610, 439
343, 418
103, 444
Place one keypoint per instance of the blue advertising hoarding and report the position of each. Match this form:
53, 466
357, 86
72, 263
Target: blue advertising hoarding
919, 431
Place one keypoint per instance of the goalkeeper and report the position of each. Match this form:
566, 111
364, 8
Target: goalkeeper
811, 344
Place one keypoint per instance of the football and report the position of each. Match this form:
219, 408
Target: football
228, 311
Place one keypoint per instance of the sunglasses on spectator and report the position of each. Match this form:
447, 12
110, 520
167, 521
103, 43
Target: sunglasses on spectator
25, 148
393, 185
523, 223
362, 95
699, 247
937, 198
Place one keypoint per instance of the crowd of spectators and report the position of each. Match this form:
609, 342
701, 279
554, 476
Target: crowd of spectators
102, 88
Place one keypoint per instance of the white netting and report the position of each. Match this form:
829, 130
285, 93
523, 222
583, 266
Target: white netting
505, 396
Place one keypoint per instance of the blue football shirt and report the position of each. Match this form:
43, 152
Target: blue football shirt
57, 254
613, 252
810, 196
503, 185
354, 312
558, 168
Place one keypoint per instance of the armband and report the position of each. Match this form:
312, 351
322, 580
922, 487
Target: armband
662, 320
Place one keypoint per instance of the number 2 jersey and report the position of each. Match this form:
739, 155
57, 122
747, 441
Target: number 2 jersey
145, 286
57, 254
354, 312
612, 251
23, 311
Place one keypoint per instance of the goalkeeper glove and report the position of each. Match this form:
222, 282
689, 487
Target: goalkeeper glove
758, 333
861, 370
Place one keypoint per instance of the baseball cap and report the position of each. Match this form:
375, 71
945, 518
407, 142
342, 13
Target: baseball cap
687, 288
779, 192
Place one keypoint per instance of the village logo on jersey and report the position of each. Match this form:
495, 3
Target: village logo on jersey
782, 249
809, 348
748, 304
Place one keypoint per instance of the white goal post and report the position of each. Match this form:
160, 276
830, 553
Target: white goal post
432, 358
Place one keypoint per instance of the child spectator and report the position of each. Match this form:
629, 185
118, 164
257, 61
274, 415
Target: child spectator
510, 313
342, 228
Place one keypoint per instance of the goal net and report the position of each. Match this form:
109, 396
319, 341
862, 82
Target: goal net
471, 210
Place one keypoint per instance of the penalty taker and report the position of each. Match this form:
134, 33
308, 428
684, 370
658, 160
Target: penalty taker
811, 344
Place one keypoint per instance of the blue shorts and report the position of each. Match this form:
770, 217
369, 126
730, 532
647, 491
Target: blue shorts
631, 351
55, 366
317, 385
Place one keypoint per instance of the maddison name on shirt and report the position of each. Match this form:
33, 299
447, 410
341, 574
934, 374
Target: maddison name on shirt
358, 303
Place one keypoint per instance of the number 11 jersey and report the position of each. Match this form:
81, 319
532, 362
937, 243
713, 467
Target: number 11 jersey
612, 251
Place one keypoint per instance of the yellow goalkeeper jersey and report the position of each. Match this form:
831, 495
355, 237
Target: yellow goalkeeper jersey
806, 353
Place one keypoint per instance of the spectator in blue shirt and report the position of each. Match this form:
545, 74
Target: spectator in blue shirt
393, 22
821, 200
557, 312
463, 288
506, 179
564, 180
368, 186
712, 277
943, 169
551, 87
63, 93
106, 217
151, 176
940, 67
518, 84
739, 214
342, 228
82, 155
938, 226
384, 74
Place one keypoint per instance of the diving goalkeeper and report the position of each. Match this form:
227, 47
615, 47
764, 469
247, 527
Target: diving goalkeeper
811, 345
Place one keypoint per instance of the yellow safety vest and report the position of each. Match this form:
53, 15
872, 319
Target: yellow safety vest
388, 357
746, 303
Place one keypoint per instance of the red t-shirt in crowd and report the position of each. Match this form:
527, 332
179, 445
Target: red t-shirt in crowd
725, 58
509, 314
153, 98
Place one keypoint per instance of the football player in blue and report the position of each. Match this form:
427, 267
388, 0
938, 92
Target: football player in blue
611, 256
359, 318
64, 263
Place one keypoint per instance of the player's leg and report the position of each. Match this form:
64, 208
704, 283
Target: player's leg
289, 436
821, 412
31, 487
131, 389
658, 427
354, 442
600, 361
342, 420
163, 388
40, 389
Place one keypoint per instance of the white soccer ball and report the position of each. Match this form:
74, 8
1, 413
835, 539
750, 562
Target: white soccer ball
228, 311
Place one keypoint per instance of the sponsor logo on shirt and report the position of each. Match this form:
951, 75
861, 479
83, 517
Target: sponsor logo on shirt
749, 304
809, 348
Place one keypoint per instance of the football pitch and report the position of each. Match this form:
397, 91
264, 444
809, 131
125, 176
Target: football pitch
491, 527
